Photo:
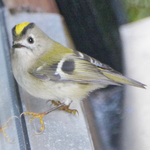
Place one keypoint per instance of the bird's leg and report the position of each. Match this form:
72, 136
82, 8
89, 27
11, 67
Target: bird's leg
65, 107
41, 115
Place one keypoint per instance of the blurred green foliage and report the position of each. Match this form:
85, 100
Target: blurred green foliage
137, 9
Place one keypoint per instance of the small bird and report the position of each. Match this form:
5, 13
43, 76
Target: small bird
48, 70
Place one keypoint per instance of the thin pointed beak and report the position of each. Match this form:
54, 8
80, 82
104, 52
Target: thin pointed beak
17, 45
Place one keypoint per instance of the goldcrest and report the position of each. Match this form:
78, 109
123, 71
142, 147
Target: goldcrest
48, 70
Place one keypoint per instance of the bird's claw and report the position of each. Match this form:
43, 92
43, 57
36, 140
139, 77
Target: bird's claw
65, 108
36, 115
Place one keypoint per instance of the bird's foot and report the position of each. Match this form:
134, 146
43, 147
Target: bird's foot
65, 107
36, 115
40, 116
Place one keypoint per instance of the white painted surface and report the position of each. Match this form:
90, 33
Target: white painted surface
136, 119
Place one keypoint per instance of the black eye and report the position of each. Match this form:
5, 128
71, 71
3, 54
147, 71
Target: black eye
30, 40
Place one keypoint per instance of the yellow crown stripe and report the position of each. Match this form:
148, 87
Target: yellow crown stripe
20, 27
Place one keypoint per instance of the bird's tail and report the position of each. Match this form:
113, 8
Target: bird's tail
122, 79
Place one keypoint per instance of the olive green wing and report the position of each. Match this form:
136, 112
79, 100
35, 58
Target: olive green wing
78, 67
110, 73
69, 68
